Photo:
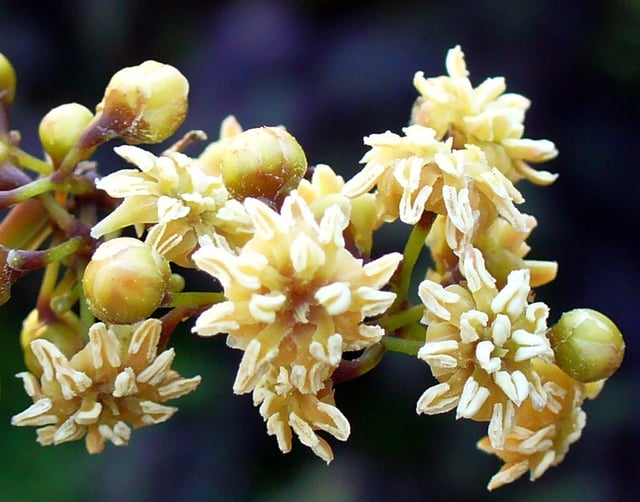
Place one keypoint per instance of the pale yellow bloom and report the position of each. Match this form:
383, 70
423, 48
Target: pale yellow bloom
540, 439
503, 247
416, 173
115, 381
284, 408
485, 116
296, 298
325, 189
182, 202
480, 342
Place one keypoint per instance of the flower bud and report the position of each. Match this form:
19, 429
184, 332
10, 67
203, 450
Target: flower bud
145, 103
125, 281
61, 128
265, 162
63, 331
588, 346
7, 81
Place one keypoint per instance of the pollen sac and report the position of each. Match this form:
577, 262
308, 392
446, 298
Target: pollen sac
125, 281
588, 346
264, 163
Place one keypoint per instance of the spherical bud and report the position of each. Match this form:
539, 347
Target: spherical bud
588, 346
145, 103
7, 81
125, 281
61, 330
61, 128
265, 163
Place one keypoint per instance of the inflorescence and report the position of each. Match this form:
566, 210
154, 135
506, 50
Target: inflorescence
291, 246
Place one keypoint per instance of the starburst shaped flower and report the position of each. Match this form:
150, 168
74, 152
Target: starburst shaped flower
480, 342
540, 439
485, 116
296, 298
117, 380
179, 199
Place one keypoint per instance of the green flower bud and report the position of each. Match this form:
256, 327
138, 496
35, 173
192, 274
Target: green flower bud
265, 163
145, 103
125, 281
7, 81
588, 346
61, 128
63, 331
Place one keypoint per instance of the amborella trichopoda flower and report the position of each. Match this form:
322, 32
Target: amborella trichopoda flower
117, 380
296, 298
480, 342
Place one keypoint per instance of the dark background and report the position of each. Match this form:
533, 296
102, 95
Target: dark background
333, 72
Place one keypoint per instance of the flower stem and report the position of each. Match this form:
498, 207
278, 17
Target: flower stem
415, 244
193, 299
354, 368
394, 344
30, 162
393, 322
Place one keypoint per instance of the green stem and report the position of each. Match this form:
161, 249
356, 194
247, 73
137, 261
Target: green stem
354, 368
22, 259
193, 299
394, 344
393, 322
28, 191
415, 244
30, 162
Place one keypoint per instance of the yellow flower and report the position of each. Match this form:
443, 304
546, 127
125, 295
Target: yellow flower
296, 298
480, 342
485, 116
504, 249
416, 173
540, 439
285, 408
116, 380
182, 201
325, 189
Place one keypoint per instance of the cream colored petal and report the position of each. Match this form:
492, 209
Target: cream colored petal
178, 387
30, 383
508, 474
339, 426
216, 319
36, 414
334, 297
380, 270
104, 347
267, 223
306, 256
472, 398
119, 435
512, 298
145, 339
156, 372
435, 298
281, 430
435, 400
69, 431
88, 414
439, 353
125, 383
373, 301
155, 413
264, 308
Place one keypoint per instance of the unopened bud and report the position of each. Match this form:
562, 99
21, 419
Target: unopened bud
63, 331
7, 81
125, 281
61, 128
145, 103
588, 346
265, 163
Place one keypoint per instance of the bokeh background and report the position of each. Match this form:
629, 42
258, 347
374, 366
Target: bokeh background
333, 72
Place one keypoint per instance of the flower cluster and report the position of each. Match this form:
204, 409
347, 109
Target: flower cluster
288, 251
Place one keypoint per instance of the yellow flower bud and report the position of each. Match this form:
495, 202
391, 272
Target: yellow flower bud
7, 81
588, 346
145, 103
62, 127
125, 281
63, 331
265, 162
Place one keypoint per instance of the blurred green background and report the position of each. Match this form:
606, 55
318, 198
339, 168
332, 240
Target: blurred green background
333, 72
